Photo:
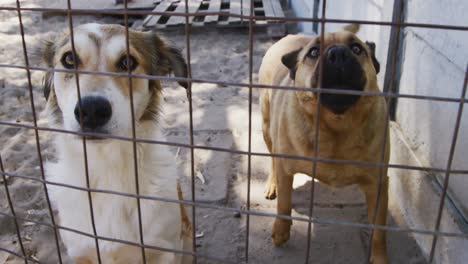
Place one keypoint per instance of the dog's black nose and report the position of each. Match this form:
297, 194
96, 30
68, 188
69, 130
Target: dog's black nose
96, 111
338, 55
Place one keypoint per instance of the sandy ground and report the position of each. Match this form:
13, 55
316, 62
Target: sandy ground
220, 119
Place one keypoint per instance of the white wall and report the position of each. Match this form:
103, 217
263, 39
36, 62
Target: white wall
434, 64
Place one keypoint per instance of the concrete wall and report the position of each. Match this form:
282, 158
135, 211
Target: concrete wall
433, 63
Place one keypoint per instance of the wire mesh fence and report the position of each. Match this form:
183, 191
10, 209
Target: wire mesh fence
250, 19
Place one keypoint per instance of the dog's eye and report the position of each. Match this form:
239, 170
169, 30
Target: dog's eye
314, 52
127, 63
356, 49
68, 60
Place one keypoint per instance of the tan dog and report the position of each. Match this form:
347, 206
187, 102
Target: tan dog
351, 127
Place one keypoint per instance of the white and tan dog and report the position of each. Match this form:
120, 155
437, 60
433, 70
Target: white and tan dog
105, 109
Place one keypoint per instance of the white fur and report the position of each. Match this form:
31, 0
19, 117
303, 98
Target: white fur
111, 167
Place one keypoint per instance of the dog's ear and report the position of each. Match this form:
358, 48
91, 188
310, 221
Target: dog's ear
354, 28
290, 61
376, 63
178, 64
43, 55
47, 83
169, 59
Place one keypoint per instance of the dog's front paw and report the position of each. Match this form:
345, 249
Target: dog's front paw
270, 191
281, 230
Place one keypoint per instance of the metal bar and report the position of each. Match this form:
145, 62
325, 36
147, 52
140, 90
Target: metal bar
393, 70
261, 154
235, 210
449, 165
249, 150
19, 256
36, 131
192, 150
85, 151
134, 146
316, 136
390, 83
223, 13
243, 85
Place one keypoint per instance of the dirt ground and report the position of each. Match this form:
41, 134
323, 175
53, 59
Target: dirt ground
220, 119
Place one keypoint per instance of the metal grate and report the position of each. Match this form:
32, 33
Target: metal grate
184, 14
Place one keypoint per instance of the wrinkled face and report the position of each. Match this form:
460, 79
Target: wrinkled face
348, 64
105, 100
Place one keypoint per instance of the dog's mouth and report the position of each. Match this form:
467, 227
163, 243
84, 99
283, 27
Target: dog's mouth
340, 103
346, 76
94, 134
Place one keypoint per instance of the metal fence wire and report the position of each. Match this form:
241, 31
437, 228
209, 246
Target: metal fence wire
390, 94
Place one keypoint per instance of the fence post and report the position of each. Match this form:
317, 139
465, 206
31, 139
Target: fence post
393, 74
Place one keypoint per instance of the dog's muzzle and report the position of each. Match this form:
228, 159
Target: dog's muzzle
341, 71
96, 111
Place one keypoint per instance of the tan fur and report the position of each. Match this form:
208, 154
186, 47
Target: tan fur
289, 119
186, 225
186, 228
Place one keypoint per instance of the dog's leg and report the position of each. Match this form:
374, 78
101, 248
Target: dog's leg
379, 243
265, 109
282, 226
271, 187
